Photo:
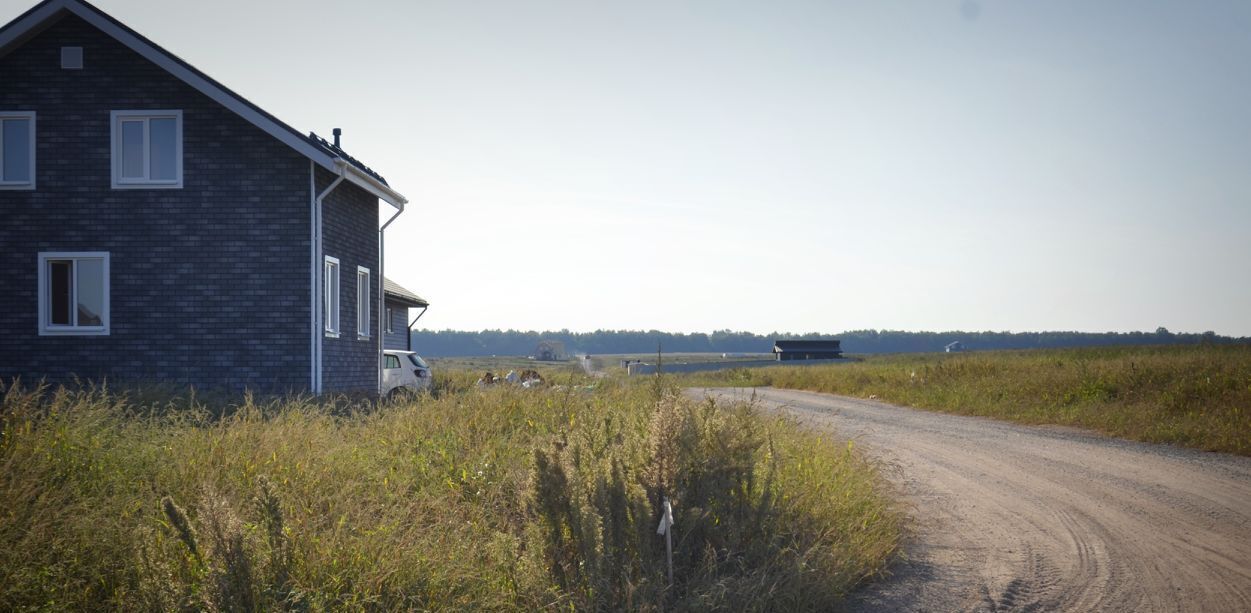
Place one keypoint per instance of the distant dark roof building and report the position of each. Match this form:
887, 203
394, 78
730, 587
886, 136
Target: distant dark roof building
396, 293
550, 351
955, 346
807, 350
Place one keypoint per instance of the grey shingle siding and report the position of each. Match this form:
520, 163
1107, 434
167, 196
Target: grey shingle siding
210, 283
398, 337
350, 233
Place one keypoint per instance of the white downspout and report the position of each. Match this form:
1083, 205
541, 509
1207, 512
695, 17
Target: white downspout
382, 298
319, 266
409, 339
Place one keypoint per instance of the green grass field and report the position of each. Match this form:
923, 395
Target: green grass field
502, 364
605, 363
1195, 396
611, 363
497, 498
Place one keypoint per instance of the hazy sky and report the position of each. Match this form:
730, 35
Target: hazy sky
798, 166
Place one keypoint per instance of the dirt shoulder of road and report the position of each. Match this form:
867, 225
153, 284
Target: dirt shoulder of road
1009, 517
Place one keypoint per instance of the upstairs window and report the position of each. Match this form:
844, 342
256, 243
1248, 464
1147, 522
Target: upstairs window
17, 150
74, 293
362, 302
332, 297
147, 149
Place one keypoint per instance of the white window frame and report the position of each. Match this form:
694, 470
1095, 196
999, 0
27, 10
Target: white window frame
363, 315
16, 185
390, 316
115, 131
46, 328
330, 288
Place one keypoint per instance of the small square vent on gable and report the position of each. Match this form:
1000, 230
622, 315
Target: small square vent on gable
72, 58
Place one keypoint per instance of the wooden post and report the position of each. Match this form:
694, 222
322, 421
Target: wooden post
669, 548
666, 525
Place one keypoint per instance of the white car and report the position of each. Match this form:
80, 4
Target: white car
404, 372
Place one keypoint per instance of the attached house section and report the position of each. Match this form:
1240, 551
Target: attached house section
398, 301
349, 244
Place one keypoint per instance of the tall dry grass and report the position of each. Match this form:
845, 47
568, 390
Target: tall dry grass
1196, 396
474, 499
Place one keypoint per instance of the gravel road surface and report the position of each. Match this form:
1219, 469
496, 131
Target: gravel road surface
1019, 518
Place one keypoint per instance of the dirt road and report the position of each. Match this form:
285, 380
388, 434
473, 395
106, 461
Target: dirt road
1016, 518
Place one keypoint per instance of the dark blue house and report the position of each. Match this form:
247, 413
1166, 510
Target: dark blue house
156, 226
398, 300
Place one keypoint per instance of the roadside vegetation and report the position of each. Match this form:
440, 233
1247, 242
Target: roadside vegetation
1195, 396
611, 363
502, 364
493, 498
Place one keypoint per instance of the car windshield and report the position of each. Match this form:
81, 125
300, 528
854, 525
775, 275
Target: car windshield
417, 361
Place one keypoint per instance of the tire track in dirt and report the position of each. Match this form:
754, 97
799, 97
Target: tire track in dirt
1018, 518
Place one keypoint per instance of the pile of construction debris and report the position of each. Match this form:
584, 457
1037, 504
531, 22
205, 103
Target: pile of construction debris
527, 379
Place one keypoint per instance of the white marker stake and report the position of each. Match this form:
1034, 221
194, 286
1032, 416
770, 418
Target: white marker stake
666, 522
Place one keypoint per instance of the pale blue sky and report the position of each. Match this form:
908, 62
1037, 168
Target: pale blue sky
801, 166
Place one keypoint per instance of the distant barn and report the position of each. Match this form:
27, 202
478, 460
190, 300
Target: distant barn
550, 351
955, 347
807, 350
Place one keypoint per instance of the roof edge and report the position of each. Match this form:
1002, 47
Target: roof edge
26, 23
193, 77
405, 301
398, 293
17, 29
367, 182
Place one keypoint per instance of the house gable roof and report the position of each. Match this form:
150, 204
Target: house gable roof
395, 293
46, 13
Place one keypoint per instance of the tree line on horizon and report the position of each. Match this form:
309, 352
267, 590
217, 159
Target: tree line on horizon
448, 343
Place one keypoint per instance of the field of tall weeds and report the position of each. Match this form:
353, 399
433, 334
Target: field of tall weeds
1192, 395
473, 499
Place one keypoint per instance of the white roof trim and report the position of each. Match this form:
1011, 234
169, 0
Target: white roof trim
28, 21
371, 185
227, 99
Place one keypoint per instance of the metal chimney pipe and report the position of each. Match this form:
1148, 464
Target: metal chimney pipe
337, 132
